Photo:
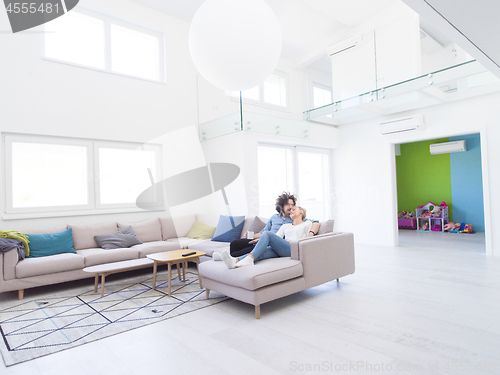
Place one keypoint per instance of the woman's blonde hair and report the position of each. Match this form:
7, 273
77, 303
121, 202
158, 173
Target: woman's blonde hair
303, 211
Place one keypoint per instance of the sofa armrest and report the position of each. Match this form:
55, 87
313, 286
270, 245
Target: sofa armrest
8, 262
325, 257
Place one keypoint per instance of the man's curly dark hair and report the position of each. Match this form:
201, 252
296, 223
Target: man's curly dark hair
283, 199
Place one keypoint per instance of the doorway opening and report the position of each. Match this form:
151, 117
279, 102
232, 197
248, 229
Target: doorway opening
451, 179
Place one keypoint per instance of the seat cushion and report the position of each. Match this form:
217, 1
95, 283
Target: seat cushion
83, 235
257, 225
155, 247
145, 230
263, 273
209, 246
183, 242
182, 225
101, 256
326, 227
167, 228
249, 224
211, 220
49, 264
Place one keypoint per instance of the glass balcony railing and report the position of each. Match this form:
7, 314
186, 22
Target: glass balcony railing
224, 116
461, 81
292, 126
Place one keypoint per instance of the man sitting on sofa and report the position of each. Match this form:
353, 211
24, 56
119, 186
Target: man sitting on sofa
284, 204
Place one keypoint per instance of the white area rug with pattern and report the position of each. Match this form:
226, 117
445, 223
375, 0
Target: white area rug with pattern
54, 321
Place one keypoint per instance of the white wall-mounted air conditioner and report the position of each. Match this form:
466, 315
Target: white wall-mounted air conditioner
403, 125
344, 45
448, 147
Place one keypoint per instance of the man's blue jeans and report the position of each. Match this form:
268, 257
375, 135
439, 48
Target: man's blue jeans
270, 246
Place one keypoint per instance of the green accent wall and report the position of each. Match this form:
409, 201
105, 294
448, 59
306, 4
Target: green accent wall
422, 177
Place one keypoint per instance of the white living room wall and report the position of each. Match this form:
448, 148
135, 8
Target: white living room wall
49, 98
364, 168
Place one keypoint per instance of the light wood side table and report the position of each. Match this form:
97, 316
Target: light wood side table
173, 257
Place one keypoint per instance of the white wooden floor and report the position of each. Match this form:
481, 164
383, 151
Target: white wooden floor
430, 306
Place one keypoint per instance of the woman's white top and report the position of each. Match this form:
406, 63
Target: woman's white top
294, 232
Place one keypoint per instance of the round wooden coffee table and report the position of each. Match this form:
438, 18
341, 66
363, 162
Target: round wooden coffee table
175, 257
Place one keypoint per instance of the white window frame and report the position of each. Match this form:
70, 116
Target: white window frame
122, 146
93, 207
295, 188
261, 101
8, 139
108, 20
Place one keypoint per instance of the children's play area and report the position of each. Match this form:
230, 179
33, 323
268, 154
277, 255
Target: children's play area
440, 193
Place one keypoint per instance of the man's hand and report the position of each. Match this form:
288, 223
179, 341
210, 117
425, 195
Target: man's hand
314, 228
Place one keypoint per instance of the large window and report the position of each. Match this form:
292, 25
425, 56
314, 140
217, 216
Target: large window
47, 176
124, 172
272, 92
94, 40
301, 170
276, 174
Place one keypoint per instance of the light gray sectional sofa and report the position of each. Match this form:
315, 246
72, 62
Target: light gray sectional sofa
314, 260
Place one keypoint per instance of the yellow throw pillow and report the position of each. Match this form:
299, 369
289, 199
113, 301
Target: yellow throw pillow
201, 231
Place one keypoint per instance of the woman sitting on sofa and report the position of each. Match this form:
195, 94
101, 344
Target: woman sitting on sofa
272, 245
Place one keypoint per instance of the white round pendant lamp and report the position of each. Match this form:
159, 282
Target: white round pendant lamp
235, 44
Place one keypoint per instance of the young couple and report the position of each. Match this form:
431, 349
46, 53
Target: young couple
274, 240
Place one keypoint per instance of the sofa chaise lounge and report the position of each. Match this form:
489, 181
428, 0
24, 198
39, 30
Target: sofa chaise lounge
314, 261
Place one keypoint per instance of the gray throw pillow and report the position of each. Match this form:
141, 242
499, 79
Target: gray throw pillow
326, 227
121, 239
257, 225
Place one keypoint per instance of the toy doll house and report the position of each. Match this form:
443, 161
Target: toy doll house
432, 217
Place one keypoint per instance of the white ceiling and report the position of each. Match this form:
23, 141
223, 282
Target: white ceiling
307, 25
473, 25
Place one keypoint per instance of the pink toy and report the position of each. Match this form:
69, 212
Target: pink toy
468, 229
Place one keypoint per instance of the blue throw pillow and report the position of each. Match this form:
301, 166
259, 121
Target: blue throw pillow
42, 245
229, 228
